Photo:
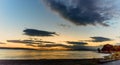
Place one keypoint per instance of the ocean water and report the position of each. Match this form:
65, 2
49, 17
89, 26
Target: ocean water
35, 54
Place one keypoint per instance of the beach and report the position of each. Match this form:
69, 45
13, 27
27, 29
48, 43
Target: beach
51, 62
58, 62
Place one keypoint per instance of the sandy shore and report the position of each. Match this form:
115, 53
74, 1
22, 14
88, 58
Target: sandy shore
51, 62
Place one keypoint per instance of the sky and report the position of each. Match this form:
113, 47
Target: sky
72, 22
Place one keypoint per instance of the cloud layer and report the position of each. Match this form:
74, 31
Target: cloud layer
100, 39
29, 41
97, 39
35, 32
84, 12
76, 43
47, 44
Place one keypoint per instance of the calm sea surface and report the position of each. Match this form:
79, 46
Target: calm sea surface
33, 54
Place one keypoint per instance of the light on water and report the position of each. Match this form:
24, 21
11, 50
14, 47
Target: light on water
33, 54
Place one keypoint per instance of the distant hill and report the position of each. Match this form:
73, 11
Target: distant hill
110, 48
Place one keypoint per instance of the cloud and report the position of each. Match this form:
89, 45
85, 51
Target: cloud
37, 43
80, 46
35, 32
54, 45
65, 25
97, 39
100, 39
29, 41
76, 43
84, 48
48, 44
74, 47
2, 43
31, 45
20, 41
84, 12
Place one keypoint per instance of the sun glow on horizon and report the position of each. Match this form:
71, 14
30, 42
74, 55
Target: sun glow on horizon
25, 19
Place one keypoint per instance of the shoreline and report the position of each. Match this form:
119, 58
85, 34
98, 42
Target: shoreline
51, 62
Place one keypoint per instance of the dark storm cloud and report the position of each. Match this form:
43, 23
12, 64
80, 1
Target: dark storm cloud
100, 39
84, 12
35, 32
77, 43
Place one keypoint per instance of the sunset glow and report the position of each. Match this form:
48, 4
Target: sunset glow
54, 26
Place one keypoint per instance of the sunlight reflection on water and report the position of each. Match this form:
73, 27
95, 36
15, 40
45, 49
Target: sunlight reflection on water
33, 54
